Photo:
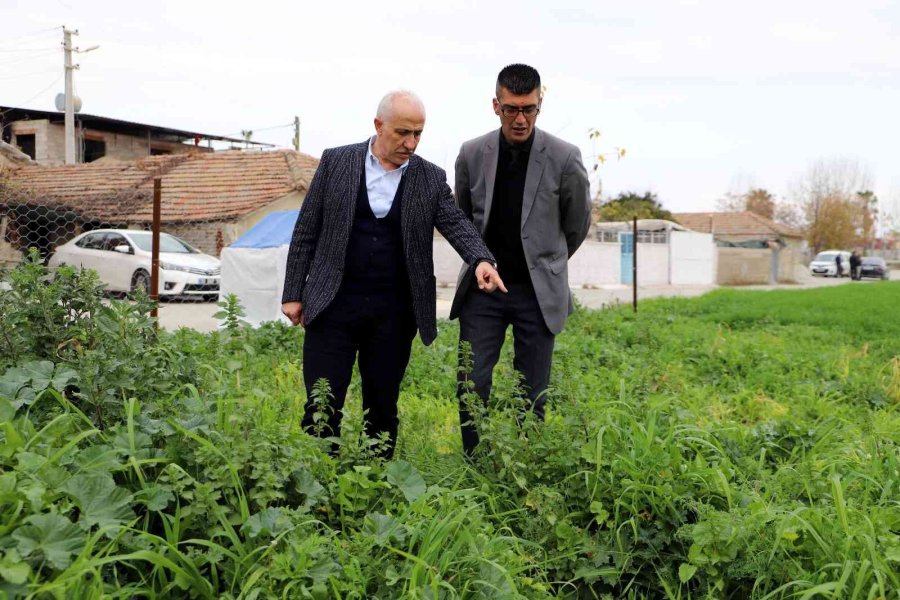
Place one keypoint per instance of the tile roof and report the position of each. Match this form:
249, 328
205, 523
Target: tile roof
735, 223
195, 186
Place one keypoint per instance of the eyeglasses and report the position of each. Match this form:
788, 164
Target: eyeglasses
513, 111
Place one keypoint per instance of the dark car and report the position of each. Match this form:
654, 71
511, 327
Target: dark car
874, 266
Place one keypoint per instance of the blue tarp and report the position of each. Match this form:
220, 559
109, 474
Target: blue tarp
274, 230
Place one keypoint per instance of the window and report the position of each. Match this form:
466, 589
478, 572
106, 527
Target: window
94, 149
159, 151
167, 243
93, 241
609, 236
113, 240
25, 142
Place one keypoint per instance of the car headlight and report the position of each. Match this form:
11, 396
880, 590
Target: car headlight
165, 266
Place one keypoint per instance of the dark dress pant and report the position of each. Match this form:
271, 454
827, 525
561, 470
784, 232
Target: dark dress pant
379, 329
483, 321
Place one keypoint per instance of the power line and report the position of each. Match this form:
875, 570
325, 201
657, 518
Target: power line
25, 75
28, 49
22, 104
18, 40
31, 57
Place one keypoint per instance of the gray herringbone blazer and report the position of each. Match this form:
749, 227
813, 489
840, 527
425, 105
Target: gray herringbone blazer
316, 257
556, 214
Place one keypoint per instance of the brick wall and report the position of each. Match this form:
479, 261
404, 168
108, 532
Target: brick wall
209, 237
50, 143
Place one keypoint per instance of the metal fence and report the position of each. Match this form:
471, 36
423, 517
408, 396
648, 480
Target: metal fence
100, 215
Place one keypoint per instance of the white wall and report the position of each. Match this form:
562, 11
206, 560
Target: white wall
693, 258
595, 263
652, 264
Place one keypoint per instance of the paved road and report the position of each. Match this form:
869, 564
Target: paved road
199, 315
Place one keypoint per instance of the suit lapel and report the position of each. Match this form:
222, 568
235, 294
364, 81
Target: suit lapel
355, 167
533, 175
489, 162
409, 197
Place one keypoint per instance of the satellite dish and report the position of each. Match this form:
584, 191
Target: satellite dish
61, 103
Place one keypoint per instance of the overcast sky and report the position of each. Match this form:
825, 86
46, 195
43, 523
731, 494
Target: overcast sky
707, 97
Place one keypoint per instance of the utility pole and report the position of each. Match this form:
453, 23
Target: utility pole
297, 133
70, 98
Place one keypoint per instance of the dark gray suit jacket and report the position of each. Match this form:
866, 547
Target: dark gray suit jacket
315, 264
556, 214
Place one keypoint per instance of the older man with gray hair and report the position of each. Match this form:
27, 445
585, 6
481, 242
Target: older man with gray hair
360, 270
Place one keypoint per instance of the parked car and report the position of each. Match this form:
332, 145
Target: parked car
824, 263
122, 259
874, 266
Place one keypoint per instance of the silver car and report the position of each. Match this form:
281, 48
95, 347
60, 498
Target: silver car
121, 258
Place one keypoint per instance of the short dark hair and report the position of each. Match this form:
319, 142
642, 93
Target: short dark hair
519, 79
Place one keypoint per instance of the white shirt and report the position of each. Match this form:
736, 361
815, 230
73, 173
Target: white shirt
381, 185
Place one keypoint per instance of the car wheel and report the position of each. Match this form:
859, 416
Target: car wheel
140, 281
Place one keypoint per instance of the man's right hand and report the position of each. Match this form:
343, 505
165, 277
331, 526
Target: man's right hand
293, 311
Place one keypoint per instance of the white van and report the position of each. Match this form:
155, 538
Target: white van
824, 263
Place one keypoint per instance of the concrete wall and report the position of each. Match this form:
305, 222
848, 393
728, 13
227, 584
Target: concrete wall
652, 264
595, 263
693, 258
599, 263
42, 142
50, 143
746, 266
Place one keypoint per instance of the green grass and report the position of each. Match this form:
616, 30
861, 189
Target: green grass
741, 444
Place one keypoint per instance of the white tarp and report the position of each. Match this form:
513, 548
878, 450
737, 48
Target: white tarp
256, 277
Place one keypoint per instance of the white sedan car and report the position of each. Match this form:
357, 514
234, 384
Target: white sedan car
121, 258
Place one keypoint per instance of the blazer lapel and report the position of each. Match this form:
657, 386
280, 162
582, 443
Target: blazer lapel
351, 183
489, 164
533, 175
409, 197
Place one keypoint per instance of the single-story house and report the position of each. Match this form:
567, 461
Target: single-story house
751, 248
40, 134
208, 199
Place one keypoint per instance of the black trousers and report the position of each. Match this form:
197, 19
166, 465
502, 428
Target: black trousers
483, 321
379, 328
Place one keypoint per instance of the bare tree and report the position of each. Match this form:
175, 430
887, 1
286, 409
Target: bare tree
827, 197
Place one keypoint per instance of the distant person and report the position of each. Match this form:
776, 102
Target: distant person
528, 194
839, 267
855, 262
360, 272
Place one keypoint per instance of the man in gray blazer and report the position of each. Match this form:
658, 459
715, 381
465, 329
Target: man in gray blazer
360, 272
528, 194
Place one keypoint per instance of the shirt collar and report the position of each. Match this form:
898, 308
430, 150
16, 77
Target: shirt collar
373, 160
523, 147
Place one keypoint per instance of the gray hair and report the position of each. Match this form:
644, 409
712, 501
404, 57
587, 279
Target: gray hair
386, 106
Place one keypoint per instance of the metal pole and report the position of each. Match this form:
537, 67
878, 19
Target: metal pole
154, 253
70, 98
634, 267
296, 139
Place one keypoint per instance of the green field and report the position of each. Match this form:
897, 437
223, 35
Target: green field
742, 444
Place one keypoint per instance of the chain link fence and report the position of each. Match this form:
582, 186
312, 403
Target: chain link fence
100, 215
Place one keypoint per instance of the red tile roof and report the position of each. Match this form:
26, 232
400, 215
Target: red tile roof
195, 186
735, 223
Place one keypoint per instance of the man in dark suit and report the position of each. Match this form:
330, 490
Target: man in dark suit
360, 272
528, 194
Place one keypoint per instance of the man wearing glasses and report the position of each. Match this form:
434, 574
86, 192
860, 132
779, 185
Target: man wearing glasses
528, 194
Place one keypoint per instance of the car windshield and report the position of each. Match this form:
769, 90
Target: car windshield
167, 243
872, 260
825, 256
